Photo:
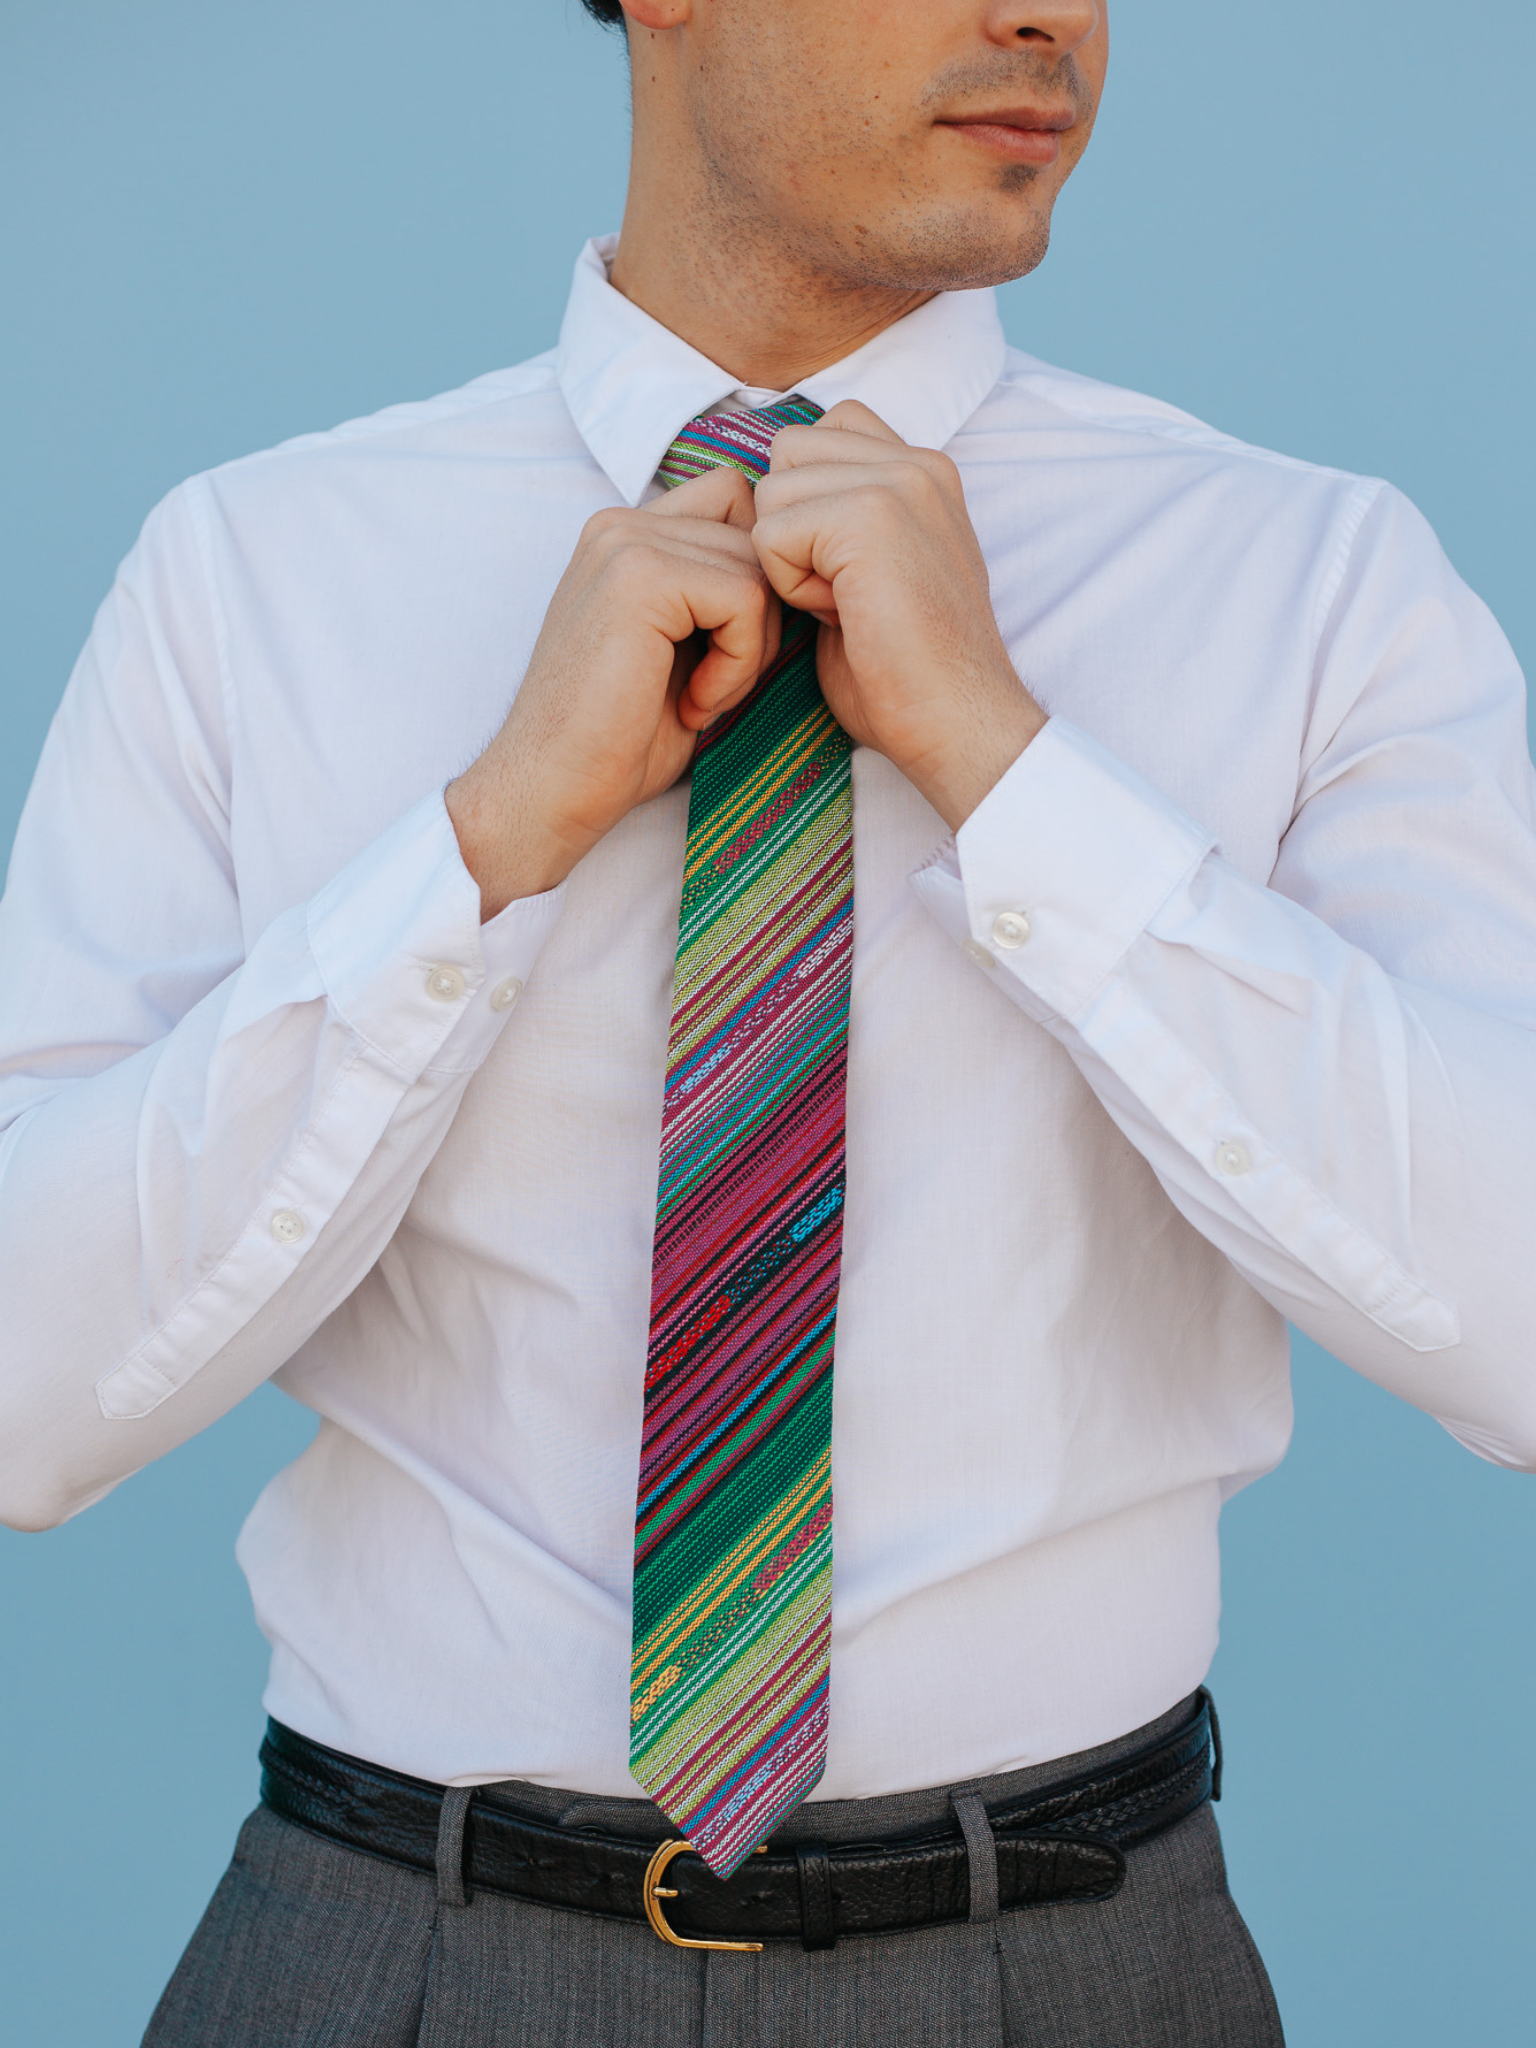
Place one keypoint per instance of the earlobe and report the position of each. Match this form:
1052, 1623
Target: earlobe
658, 15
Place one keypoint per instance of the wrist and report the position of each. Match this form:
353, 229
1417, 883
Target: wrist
509, 846
957, 776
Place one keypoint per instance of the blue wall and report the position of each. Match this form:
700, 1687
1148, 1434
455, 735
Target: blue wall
223, 224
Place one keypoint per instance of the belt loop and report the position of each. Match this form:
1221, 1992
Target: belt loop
450, 1846
981, 1852
818, 1909
1210, 1708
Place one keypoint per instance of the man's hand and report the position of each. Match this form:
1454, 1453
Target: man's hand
620, 684
873, 537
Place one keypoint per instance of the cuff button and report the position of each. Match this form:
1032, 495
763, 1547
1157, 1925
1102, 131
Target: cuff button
506, 993
1010, 928
444, 984
287, 1226
1233, 1156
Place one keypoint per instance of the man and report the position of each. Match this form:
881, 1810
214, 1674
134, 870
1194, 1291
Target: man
1021, 920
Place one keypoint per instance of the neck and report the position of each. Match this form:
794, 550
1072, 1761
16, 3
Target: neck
734, 287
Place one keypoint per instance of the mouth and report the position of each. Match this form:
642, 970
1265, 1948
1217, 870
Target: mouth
1019, 135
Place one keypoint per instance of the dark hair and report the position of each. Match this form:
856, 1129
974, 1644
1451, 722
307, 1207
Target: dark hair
608, 12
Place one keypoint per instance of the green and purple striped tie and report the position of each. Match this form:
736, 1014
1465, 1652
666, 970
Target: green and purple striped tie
733, 1541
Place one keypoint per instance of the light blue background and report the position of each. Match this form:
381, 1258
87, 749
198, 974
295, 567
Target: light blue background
221, 224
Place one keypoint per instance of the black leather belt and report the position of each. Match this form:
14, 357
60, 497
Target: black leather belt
1061, 1842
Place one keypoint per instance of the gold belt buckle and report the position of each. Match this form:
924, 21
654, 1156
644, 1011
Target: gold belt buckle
655, 1892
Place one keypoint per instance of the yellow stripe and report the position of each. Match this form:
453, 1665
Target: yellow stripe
795, 748
779, 767
747, 914
744, 1559
676, 1740
730, 995
665, 1636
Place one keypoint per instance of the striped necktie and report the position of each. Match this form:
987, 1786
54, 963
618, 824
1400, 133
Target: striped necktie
733, 1538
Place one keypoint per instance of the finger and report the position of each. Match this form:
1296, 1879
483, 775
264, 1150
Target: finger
852, 417
850, 432
707, 539
739, 615
903, 479
729, 669
722, 495
802, 539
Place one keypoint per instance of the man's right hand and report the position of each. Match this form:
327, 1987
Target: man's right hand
618, 688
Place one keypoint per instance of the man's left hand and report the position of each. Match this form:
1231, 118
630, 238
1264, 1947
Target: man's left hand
872, 537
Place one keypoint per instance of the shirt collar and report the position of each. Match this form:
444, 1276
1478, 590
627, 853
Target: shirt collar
630, 383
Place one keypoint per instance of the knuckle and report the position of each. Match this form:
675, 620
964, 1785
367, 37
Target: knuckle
941, 469
878, 504
626, 556
612, 521
920, 474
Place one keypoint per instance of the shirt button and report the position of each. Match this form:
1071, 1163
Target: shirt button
444, 984
978, 952
287, 1226
1233, 1157
1010, 928
506, 993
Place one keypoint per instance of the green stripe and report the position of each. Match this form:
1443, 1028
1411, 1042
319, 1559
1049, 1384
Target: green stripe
724, 927
692, 1550
763, 1425
728, 1628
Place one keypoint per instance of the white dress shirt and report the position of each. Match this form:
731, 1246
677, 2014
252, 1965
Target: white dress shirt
1219, 1010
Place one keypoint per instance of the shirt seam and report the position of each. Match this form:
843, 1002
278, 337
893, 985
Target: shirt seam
1368, 494
199, 501
454, 404
1184, 428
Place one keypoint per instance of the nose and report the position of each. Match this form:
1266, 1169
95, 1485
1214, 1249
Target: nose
1053, 27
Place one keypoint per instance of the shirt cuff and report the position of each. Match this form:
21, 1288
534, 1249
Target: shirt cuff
403, 955
1066, 862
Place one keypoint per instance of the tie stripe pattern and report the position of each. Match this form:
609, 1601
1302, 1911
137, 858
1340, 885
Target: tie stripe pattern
733, 1544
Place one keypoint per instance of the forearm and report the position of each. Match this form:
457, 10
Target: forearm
173, 1228
1358, 1148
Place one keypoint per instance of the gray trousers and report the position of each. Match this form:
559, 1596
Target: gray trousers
310, 1945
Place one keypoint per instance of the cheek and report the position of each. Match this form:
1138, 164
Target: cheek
1093, 62
817, 82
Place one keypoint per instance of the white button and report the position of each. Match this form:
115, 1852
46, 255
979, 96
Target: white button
979, 953
287, 1226
1232, 1156
444, 984
506, 993
1010, 928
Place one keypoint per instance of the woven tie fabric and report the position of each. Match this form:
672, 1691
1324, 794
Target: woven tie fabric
733, 1542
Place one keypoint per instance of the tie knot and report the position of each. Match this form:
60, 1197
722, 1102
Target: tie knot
733, 440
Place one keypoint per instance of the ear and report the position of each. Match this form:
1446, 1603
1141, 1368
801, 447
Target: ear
657, 15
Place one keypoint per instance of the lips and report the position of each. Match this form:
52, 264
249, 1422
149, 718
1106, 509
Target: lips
1051, 120
1018, 134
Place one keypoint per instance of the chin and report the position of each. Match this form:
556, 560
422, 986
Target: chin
956, 252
